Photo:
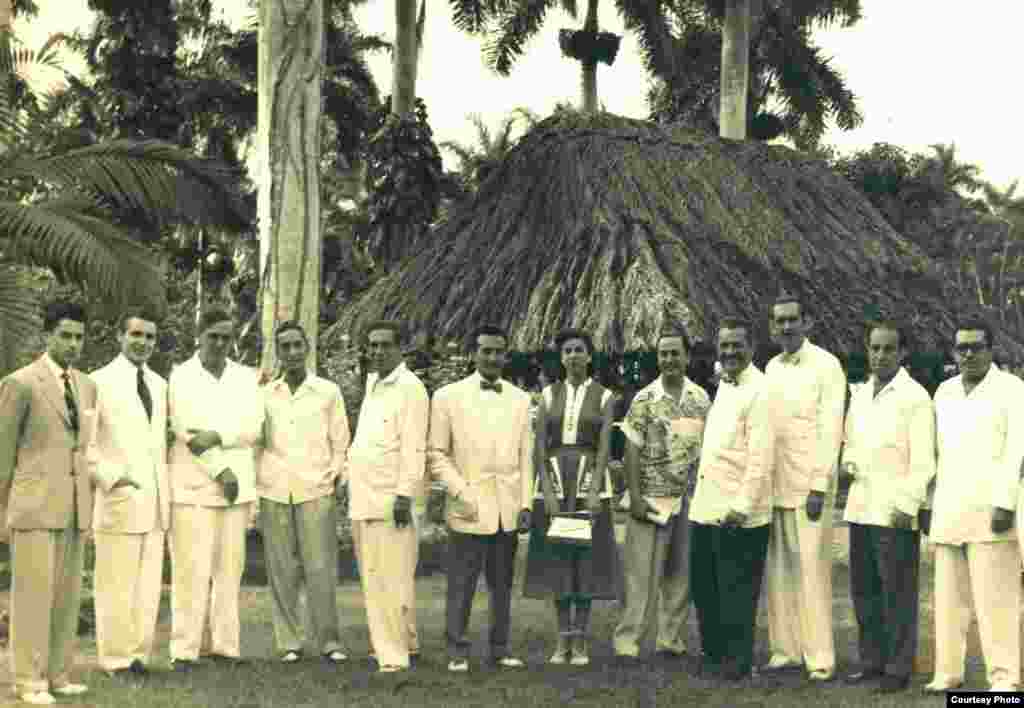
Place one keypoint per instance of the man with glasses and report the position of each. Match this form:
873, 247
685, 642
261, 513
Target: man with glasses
980, 424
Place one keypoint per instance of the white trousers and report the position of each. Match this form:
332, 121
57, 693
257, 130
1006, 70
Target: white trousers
990, 573
798, 573
207, 560
387, 558
128, 574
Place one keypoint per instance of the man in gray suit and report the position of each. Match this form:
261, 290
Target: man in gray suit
47, 418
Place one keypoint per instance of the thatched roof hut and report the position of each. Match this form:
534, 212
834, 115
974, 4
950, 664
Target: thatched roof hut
620, 226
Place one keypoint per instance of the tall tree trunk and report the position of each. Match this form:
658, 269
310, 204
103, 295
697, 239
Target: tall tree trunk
589, 68
732, 117
403, 82
291, 53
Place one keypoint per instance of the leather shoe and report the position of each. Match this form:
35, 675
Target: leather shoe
821, 675
138, 668
893, 684
184, 665
864, 675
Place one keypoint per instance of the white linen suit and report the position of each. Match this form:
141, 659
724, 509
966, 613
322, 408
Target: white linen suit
806, 393
207, 533
130, 524
980, 446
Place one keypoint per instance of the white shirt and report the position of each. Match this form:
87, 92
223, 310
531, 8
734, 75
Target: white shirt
306, 439
806, 396
981, 445
388, 457
725, 480
233, 407
891, 439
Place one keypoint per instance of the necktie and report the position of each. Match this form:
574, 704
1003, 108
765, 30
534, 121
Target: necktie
69, 401
486, 385
147, 400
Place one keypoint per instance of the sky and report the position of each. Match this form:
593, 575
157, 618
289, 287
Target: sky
924, 74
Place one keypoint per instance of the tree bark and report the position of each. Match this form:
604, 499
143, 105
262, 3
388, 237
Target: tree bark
732, 117
589, 68
403, 65
288, 135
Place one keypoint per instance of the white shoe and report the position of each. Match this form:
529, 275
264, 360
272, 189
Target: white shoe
390, 669
459, 666
70, 689
290, 657
779, 662
1003, 688
509, 662
336, 656
821, 675
39, 698
942, 686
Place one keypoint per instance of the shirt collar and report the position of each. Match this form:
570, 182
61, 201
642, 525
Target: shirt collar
741, 378
795, 357
658, 388
281, 382
55, 368
123, 361
477, 378
374, 378
583, 386
228, 365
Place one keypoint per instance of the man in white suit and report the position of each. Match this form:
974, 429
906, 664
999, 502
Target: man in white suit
131, 521
216, 411
481, 447
805, 389
980, 439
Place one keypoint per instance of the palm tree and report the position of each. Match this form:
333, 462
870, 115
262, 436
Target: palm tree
74, 210
477, 161
512, 23
952, 174
1008, 208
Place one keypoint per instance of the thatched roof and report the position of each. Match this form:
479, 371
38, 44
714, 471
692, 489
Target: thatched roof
620, 226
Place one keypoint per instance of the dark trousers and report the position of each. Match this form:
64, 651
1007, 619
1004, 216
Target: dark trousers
726, 568
884, 584
468, 554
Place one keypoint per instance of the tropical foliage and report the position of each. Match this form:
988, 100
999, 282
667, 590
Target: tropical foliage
76, 210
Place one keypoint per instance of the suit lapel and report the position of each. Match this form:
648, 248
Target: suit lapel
52, 391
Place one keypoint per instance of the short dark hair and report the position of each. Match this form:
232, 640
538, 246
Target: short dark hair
59, 310
487, 330
786, 298
289, 325
738, 323
391, 325
975, 322
211, 317
674, 331
136, 312
898, 326
566, 334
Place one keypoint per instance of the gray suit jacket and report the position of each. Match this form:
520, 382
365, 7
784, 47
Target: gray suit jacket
44, 475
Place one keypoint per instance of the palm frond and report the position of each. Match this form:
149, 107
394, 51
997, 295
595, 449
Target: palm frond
156, 179
19, 314
515, 27
471, 16
649, 20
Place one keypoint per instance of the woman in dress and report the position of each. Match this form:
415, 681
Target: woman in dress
573, 429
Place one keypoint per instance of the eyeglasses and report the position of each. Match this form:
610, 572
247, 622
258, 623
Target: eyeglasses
972, 347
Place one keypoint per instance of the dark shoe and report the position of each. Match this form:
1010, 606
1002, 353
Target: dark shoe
229, 660
863, 676
893, 684
414, 659
138, 668
710, 669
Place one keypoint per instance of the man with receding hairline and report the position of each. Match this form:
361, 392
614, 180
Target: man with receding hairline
805, 388
216, 413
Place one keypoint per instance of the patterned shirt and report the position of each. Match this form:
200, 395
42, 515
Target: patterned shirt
668, 434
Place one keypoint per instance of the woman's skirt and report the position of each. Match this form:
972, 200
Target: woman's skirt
554, 569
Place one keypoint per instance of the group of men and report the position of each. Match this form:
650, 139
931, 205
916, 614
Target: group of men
139, 462
722, 495
772, 454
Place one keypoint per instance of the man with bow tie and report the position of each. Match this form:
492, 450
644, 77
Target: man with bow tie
132, 520
481, 447
731, 511
805, 390
47, 420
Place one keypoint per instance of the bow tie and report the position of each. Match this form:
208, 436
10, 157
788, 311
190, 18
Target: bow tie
486, 385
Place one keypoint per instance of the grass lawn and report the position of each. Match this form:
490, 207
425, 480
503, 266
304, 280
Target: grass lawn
265, 682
